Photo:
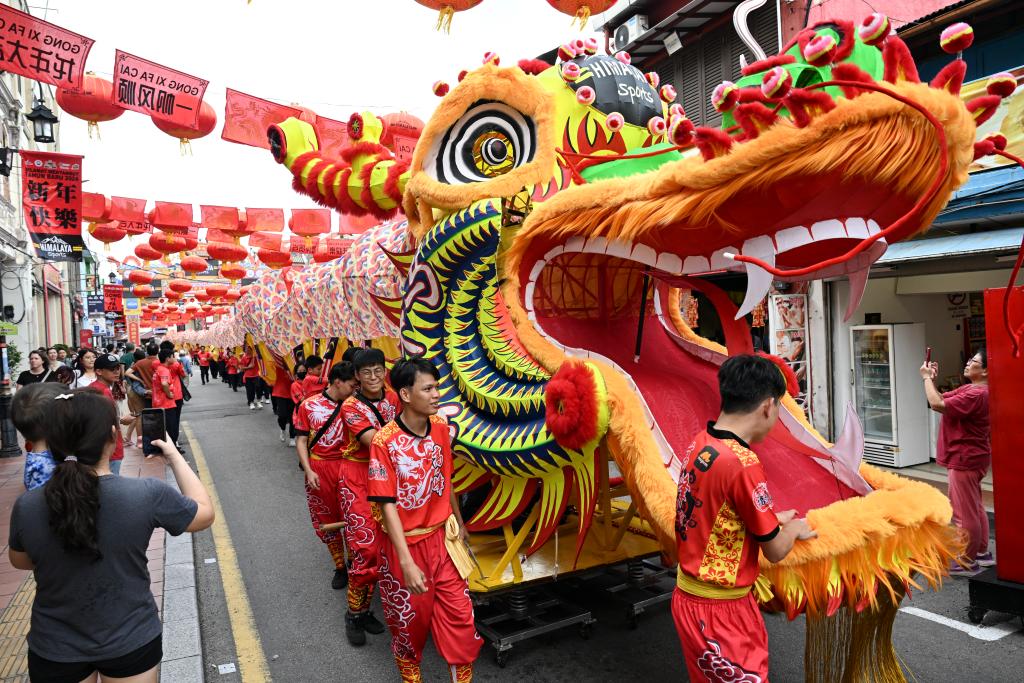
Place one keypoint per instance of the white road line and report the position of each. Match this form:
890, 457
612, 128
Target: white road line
986, 633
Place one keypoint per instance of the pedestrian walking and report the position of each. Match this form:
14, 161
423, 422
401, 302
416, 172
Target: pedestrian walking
231, 369
281, 397
250, 376
85, 535
410, 477
38, 371
31, 410
108, 372
714, 610
320, 444
185, 361
128, 357
85, 370
214, 363
965, 450
203, 358
167, 392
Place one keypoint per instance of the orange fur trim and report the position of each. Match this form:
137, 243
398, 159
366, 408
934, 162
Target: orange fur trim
510, 86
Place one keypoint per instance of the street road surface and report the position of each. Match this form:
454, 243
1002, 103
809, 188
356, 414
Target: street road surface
297, 630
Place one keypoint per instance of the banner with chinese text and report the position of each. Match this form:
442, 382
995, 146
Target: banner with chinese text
41, 51
113, 298
156, 90
52, 200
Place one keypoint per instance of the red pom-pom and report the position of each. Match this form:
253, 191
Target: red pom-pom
441, 88
533, 67
1001, 85
956, 38
572, 405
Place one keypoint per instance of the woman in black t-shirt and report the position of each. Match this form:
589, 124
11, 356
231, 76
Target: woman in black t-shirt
36, 372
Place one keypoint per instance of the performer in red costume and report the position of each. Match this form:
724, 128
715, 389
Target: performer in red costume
320, 443
312, 383
724, 517
371, 407
411, 479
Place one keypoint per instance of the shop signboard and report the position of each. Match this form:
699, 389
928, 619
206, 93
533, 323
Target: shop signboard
112, 298
787, 317
94, 304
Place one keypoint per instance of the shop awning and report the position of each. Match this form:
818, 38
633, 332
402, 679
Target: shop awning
993, 242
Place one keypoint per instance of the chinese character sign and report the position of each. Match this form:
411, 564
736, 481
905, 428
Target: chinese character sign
41, 51
112, 298
156, 90
52, 199
133, 330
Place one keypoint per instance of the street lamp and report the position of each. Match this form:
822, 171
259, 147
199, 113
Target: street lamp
43, 121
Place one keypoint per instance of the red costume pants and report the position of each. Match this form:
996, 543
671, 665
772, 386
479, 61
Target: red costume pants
342, 498
444, 611
723, 640
969, 510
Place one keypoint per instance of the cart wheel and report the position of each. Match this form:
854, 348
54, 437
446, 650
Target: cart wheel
586, 628
501, 658
975, 614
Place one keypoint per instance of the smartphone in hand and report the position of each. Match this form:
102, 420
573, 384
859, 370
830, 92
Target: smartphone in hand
928, 354
154, 426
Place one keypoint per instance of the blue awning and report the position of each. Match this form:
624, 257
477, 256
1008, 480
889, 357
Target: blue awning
992, 242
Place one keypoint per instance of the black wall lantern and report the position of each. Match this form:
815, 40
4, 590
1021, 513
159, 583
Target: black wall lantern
43, 121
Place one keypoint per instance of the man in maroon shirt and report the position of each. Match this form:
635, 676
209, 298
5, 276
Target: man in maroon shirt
965, 451
108, 371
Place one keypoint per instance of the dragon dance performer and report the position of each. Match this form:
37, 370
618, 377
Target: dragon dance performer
411, 479
320, 444
724, 516
365, 412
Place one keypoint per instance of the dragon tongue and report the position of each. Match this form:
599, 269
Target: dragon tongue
858, 283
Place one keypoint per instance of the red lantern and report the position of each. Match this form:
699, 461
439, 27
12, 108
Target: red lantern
140, 277
201, 294
179, 286
232, 271
233, 295
93, 103
192, 307
172, 294
402, 123
171, 243
581, 9
204, 126
274, 258
226, 251
152, 307
142, 291
192, 264
107, 233
216, 290
446, 10
147, 253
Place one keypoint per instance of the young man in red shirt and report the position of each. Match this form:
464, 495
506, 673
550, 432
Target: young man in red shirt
965, 450
164, 380
108, 371
724, 520
203, 358
231, 371
251, 378
281, 398
371, 407
312, 383
320, 443
411, 479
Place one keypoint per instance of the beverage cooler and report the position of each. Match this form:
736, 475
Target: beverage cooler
888, 392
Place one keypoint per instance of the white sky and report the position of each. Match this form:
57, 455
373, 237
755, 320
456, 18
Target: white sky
333, 56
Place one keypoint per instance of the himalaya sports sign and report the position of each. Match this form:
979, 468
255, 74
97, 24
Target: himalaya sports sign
52, 200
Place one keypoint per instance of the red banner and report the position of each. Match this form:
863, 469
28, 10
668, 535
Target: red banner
302, 245
404, 145
265, 240
52, 201
247, 118
126, 209
330, 247
264, 220
41, 51
133, 329
310, 221
112, 298
95, 207
137, 227
219, 217
333, 135
157, 90
171, 216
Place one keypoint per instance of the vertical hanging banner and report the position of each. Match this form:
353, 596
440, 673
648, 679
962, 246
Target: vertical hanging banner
113, 301
41, 51
155, 90
52, 200
247, 118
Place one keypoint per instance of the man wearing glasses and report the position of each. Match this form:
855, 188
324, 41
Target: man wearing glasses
966, 453
364, 412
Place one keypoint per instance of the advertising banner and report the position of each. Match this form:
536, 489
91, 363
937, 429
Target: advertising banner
156, 90
247, 118
787, 317
41, 51
52, 199
94, 304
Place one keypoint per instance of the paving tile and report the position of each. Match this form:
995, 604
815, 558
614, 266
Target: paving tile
187, 670
179, 554
179, 576
180, 603
181, 639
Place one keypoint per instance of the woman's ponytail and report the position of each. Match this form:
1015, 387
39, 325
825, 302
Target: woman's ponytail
78, 434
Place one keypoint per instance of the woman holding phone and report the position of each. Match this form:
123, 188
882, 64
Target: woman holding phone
85, 535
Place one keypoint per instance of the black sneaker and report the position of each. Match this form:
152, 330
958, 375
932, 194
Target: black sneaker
340, 579
371, 624
354, 629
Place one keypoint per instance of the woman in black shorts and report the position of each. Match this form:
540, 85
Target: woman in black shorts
85, 535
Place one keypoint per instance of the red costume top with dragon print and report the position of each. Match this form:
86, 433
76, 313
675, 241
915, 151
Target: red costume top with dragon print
310, 417
723, 511
414, 472
360, 417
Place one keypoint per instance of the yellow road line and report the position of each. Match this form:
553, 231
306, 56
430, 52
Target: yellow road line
252, 664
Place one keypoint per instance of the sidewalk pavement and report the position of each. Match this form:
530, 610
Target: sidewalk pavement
172, 580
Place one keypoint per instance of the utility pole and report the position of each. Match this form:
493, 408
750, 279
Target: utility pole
8, 436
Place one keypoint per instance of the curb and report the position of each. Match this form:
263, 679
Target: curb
183, 652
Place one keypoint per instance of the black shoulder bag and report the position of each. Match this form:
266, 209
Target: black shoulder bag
327, 425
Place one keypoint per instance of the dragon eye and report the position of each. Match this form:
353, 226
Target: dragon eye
489, 140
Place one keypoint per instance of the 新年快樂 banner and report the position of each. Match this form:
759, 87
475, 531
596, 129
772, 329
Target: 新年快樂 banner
52, 200
41, 51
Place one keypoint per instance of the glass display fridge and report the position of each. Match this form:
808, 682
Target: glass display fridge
887, 392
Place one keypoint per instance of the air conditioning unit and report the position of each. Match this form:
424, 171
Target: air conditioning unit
633, 28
